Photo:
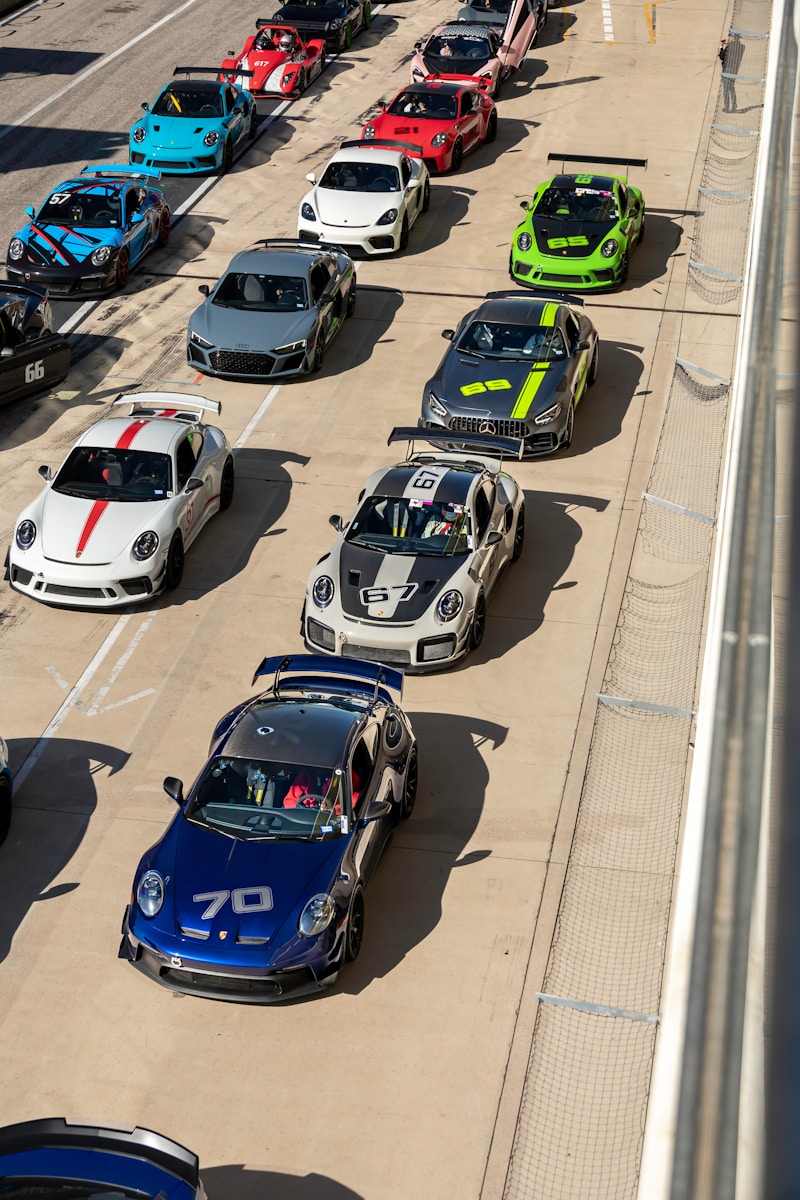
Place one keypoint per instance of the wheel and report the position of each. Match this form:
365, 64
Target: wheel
367, 15
404, 235
227, 485
227, 158
623, 271
5, 809
478, 622
498, 87
593, 365
566, 441
164, 227
355, 927
175, 556
519, 534
319, 353
426, 196
491, 128
410, 787
253, 127
123, 267
351, 299
348, 36
458, 155
641, 231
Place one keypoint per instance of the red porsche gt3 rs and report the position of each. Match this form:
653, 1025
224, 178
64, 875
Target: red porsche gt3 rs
282, 64
448, 118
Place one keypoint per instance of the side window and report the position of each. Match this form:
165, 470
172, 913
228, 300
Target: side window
466, 104
405, 171
131, 204
319, 280
229, 99
484, 502
186, 457
623, 200
362, 765
571, 327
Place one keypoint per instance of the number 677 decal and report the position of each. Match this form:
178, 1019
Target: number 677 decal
382, 595
243, 900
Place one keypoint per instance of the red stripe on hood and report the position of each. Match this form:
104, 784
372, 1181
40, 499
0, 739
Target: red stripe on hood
97, 510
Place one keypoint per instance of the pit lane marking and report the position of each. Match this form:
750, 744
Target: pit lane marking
608, 24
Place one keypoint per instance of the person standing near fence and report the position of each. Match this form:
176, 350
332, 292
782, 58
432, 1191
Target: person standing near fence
730, 55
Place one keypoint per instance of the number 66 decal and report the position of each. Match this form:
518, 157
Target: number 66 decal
243, 900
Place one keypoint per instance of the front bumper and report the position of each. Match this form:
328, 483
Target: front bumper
66, 281
538, 439
109, 585
397, 645
357, 242
176, 162
239, 364
554, 273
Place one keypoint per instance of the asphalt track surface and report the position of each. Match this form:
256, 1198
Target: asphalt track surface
389, 1085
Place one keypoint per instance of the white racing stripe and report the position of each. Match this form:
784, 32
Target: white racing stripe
608, 26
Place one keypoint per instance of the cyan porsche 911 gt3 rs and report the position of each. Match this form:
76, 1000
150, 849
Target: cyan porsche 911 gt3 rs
255, 892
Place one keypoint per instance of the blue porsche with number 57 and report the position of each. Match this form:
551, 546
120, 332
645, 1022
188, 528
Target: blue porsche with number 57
255, 892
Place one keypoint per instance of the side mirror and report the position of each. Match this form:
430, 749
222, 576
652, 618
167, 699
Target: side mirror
413, 184
493, 538
174, 788
7, 352
524, 205
193, 484
336, 521
136, 218
30, 211
376, 810
46, 473
204, 289
582, 346
449, 334
311, 177
145, 106
417, 45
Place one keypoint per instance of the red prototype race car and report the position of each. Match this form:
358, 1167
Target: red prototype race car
448, 118
282, 64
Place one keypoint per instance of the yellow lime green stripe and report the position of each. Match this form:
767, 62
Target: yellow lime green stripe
549, 311
527, 395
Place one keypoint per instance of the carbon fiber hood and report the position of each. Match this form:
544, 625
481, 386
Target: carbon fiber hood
360, 568
548, 229
496, 387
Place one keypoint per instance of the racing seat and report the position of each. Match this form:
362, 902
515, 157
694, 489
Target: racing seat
112, 475
252, 291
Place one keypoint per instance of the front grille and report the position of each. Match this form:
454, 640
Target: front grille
167, 163
307, 236
382, 242
85, 593
500, 428
136, 157
522, 268
381, 654
576, 279
137, 587
20, 575
237, 362
195, 981
200, 934
542, 443
320, 634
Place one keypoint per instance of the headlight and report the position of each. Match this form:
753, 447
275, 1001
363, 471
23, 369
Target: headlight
139, 133
388, 218
291, 347
322, 591
101, 255
16, 249
368, 133
335, 24
549, 415
211, 138
609, 248
198, 341
317, 915
307, 212
524, 241
438, 139
26, 535
150, 893
450, 605
145, 545
435, 405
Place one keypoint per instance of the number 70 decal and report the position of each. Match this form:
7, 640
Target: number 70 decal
243, 900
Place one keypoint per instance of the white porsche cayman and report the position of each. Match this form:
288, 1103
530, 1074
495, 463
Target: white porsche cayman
112, 525
367, 198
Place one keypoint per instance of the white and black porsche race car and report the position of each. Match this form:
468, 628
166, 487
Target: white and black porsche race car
408, 577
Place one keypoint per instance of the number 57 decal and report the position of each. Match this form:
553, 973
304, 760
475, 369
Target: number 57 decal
381, 595
243, 900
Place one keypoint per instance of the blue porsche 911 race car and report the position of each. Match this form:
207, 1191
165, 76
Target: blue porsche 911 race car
194, 125
90, 231
255, 892
52, 1159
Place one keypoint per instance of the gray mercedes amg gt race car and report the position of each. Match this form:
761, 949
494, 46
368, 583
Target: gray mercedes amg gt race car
409, 575
273, 312
518, 367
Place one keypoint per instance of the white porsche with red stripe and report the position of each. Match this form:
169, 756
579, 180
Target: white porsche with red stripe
112, 525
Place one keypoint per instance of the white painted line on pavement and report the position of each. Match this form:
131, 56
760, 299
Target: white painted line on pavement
256, 417
608, 27
119, 665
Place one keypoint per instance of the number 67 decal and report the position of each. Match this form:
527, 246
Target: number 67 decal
243, 900
380, 595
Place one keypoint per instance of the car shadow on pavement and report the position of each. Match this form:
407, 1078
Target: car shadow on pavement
53, 145
53, 806
511, 135
243, 1183
661, 241
454, 774
376, 309
599, 416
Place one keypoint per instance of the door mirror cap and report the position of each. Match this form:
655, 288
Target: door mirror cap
336, 521
204, 289
583, 346
46, 473
449, 334
174, 788
311, 177
7, 352
30, 211
493, 537
377, 810
193, 484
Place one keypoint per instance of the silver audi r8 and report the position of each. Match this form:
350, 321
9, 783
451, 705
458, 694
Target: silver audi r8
409, 575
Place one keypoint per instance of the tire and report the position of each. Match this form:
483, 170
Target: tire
348, 37
426, 196
410, 786
641, 231
227, 158
367, 15
458, 155
319, 354
351, 299
253, 127
227, 486
568, 432
623, 273
478, 623
404, 235
594, 364
354, 937
491, 128
175, 560
519, 535
123, 268
5, 809
164, 227
498, 87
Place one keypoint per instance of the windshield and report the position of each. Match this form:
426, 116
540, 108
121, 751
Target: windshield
361, 177
578, 204
425, 104
402, 526
261, 293
259, 799
477, 50
99, 208
186, 101
489, 6
108, 473
493, 339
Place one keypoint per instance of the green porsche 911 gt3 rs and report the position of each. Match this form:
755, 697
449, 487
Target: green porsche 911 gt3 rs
578, 233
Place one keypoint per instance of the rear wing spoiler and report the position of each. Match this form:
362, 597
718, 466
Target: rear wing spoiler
483, 82
54, 1133
210, 71
383, 144
167, 404
7, 288
295, 244
345, 676
122, 171
490, 443
600, 160
516, 294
